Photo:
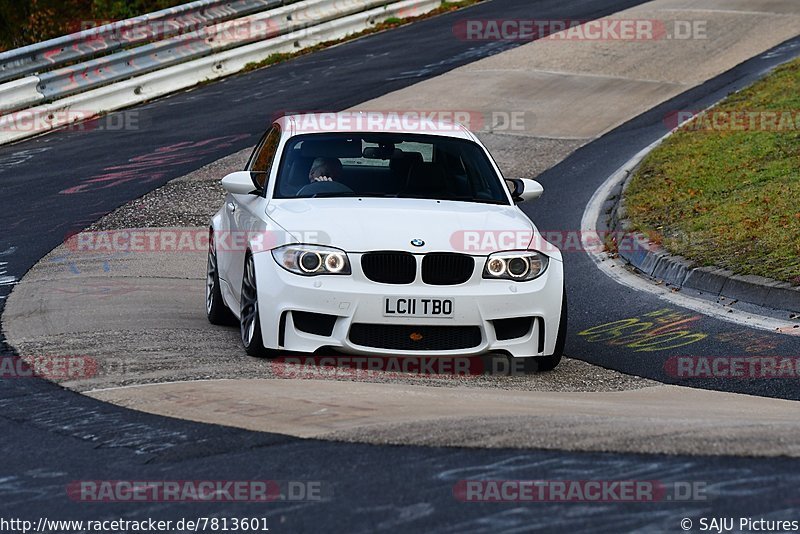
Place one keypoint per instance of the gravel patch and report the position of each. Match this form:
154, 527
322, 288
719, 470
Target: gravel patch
126, 358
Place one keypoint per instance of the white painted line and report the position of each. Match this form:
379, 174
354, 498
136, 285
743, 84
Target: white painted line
153, 384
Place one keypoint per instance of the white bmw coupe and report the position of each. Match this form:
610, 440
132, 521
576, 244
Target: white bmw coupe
363, 236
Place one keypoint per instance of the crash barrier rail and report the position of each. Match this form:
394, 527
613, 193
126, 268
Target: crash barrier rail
90, 42
85, 74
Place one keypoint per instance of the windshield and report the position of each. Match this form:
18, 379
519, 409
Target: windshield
387, 165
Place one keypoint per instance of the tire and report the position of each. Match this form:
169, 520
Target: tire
249, 318
216, 310
541, 364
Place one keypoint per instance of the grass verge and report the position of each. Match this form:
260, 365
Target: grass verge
724, 189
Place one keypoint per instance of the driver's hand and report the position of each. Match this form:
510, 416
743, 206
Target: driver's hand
323, 179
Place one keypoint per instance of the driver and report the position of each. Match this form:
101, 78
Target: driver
325, 170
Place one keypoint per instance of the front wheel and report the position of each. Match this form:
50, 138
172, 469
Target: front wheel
249, 320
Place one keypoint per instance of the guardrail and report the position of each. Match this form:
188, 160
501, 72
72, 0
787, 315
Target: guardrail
130, 32
65, 95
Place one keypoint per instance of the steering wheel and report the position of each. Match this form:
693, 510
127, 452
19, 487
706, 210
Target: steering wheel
323, 187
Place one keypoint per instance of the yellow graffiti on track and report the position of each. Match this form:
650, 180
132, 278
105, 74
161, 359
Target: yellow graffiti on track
659, 330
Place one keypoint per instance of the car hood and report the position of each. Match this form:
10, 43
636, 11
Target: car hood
361, 225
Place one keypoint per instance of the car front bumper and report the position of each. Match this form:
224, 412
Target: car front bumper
355, 300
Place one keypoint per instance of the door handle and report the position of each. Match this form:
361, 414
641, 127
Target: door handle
231, 206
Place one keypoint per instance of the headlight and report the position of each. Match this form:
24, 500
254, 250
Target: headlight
517, 265
311, 260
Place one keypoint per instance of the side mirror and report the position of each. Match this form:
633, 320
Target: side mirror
524, 189
240, 183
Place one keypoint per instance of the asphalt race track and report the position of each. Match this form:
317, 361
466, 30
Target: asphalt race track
59, 183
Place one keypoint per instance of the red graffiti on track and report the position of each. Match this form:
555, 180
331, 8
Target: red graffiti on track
154, 166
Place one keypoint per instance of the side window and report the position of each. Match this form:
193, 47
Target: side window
263, 157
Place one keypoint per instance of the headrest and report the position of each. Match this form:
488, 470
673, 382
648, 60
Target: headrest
405, 160
426, 177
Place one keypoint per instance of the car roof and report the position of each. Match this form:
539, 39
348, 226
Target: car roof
406, 122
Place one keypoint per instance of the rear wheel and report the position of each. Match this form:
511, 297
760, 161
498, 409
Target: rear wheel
216, 310
249, 320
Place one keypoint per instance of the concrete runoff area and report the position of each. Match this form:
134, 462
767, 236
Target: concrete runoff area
659, 419
142, 314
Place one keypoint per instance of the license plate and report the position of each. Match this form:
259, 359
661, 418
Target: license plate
417, 307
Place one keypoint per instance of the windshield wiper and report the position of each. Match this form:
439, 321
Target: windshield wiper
334, 194
469, 199
329, 194
343, 194
485, 201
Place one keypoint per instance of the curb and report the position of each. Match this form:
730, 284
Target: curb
653, 261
